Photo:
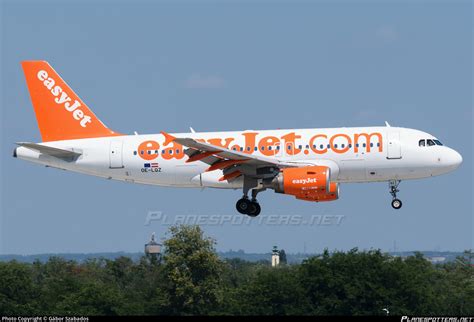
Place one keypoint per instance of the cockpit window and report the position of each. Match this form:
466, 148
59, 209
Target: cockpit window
429, 142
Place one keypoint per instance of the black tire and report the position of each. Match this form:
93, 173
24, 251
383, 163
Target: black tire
243, 206
254, 209
397, 203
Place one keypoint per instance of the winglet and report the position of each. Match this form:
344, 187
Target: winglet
168, 138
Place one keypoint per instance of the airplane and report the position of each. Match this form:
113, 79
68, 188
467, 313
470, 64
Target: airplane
308, 164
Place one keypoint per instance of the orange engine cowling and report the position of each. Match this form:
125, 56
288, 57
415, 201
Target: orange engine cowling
310, 183
332, 195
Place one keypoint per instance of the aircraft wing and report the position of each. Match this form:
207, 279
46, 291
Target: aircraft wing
55, 152
207, 149
232, 163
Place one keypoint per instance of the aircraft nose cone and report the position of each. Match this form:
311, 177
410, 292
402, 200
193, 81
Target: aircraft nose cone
458, 159
453, 159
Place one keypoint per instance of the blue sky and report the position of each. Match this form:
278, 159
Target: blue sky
152, 66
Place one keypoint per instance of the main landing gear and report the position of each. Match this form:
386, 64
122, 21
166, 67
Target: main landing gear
393, 185
249, 207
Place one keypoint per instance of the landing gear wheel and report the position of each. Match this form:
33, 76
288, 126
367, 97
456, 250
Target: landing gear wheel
243, 206
393, 186
396, 203
254, 209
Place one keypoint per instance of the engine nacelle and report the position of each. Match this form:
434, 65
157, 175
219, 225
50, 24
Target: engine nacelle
333, 194
312, 183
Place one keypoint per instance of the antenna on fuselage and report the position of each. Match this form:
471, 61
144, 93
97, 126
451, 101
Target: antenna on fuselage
386, 124
192, 130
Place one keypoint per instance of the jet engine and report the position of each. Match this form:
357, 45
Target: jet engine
311, 183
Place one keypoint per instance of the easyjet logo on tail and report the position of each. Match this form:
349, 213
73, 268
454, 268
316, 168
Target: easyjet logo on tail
62, 98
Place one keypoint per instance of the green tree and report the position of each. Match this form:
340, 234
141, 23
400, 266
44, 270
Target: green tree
271, 291
192, 280
455, 286
93, 298
17, 290
192, 269
363, 283
283, 259
56, 279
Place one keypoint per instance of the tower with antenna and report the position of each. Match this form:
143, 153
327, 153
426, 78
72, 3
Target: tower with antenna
153, 249
275, 256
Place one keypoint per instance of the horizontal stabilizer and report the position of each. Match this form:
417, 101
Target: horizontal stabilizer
54, 152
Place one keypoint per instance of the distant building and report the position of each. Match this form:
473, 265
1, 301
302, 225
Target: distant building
436, 259
152, 248
275, 257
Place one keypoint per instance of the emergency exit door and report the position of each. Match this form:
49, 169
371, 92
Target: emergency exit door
116, 155
394, 148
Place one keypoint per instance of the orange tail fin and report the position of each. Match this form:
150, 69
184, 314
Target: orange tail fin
60, 113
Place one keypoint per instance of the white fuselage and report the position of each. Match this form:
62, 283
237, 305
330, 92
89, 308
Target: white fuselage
367, 154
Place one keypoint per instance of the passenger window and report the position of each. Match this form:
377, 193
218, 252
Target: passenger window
421, 143
430, 142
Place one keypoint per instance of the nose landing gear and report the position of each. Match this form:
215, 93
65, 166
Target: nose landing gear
396, 203
393, 185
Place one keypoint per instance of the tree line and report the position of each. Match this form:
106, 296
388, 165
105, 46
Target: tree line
191, 279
